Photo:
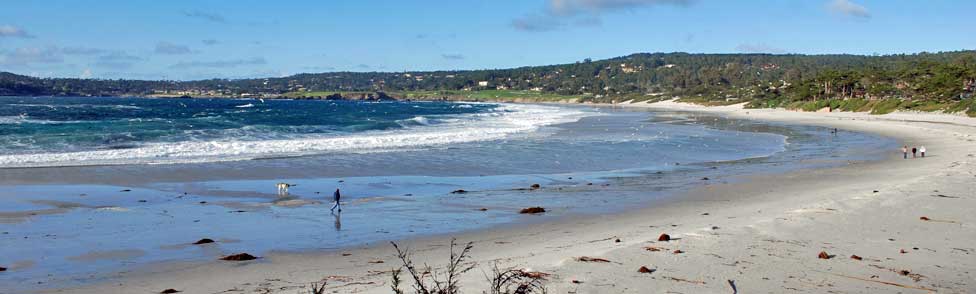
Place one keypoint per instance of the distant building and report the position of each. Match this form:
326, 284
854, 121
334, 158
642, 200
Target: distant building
483, 84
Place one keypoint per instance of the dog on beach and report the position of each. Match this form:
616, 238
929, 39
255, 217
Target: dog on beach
283, 187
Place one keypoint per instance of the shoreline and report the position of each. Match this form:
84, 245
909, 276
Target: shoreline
843, 218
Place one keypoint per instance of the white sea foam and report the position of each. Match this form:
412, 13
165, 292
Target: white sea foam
24, 119
417, 120
54, 106
506, 120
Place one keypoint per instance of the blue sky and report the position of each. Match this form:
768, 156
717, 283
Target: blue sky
143, 39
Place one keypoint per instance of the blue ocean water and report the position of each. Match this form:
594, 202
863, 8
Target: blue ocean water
45, 131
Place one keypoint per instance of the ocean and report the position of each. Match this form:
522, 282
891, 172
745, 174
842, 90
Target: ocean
94, 187
44, 132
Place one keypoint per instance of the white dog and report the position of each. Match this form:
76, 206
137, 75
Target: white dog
283, 188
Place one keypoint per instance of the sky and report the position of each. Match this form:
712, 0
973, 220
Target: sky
201, 39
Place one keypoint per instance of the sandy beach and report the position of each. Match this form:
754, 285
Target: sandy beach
908, 222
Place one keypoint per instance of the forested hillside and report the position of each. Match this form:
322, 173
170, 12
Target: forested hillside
925, 81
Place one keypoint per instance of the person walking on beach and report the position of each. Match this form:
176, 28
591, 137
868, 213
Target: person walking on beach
904, 151
914, 152
922, 150
336, 196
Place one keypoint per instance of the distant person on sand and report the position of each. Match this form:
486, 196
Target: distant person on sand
336, 196
922, 150
914, 152
904, 151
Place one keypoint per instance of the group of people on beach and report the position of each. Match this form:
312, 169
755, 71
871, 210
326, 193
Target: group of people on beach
915, 151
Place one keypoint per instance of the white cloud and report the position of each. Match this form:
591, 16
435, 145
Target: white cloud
82, 51
171, 49
582, 13
569, 7
848, 8
12, 31
117, 60
219, 63
758, 48
30, 56
208, 16
452, 56
537, 23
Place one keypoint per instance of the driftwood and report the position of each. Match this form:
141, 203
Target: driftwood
925, 218
686, 280
590, 259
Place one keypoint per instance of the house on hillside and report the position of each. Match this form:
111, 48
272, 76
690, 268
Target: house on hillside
482, 83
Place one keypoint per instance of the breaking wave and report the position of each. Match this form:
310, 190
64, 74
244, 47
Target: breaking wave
417, 133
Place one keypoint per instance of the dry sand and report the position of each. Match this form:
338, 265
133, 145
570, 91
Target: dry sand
764, 234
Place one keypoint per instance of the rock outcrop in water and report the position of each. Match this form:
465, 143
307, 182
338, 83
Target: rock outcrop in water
360, 96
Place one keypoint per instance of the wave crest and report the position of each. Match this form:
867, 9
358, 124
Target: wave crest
504, 121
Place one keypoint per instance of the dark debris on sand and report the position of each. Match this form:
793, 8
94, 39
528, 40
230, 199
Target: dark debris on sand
203, 241
239, 257
824, 255
532, 210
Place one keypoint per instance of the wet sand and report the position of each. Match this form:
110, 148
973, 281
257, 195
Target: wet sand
909, 221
